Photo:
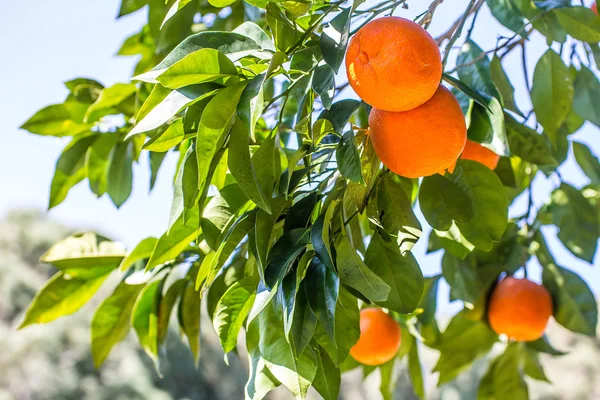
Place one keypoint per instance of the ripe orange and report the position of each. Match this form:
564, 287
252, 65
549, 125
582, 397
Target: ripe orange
476, 152
393, 64
520, 309
595, 8
379, 338
423, 141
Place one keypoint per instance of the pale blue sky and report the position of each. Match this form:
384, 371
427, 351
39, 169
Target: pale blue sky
47, 43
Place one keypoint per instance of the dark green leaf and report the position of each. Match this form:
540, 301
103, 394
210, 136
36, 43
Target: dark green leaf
340, 113
283, 254
473, 69
502, 82
490, 211
489, 127
324, 84
466, 89
397, 215
348, 158
328, 377
508, 14
462, 278
357, 275
442, 201
586, 160
120, 173
322, 287
334, 39
97, 161
70, 169
189, 319
401, 273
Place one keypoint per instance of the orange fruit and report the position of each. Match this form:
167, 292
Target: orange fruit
379, 338
423, 141
393, 64
476, 152
595, 8
520, 309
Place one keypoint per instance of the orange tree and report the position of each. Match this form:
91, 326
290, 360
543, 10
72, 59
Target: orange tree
285, 223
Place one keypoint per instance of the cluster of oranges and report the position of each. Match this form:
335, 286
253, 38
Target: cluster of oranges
416, 124
418, 129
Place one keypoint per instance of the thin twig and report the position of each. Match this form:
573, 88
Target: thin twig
458, 30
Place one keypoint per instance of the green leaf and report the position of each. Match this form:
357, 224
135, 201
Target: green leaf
231, 311
166, 308
201, 66
401, 273
462, 278
304, 320
490, 211
142, 251
416, 370
283, 31
323, 84
348, 158
347, 328
473, 69
453, 241
397, 215
189, 319
587, 95
488, 127
528, 144
508, 14
216, 120
334, 39
189, 183
61, 295
429, 328
164, 104
263, 231
532, 366
328, 377
502, 82
166, 137
320, 235
173, 242
85, 255
466, 89
129, 6
356, 274
297, 374
233, 45
267, 164
388, 378
542, 345
577, 222
586, 160
340, 113
220, 212
55, 120
177, 5
110, 98
504, 377
156, 160
574, 305
97, 161
463, 341
322, 287
283, 254
552, 92
240, 165
580, 22
111, 321
254, 32
144, 318
120, 173
442, 201
260, 380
